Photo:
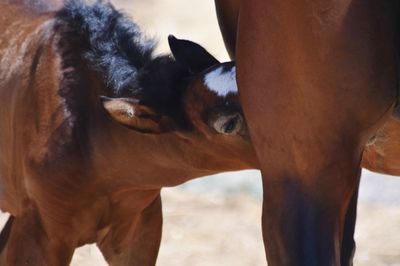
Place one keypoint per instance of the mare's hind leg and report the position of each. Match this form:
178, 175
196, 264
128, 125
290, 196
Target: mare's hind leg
309, 120
25, 242
135, 242
228, 15
348, 247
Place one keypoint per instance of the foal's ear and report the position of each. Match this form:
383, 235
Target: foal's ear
131, 113
191, 55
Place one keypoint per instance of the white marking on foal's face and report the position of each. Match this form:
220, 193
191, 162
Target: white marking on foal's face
222, 81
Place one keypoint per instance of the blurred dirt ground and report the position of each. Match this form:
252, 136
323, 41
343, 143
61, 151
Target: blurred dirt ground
216, 221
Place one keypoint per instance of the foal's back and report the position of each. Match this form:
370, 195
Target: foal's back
19, 30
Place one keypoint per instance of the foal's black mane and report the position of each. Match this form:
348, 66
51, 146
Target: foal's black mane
115, 48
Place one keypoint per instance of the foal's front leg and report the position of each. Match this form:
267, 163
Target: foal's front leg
29, 243
135, 242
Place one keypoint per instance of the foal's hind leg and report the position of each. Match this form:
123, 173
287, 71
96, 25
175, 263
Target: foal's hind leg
28, 243
135, 242
5, 233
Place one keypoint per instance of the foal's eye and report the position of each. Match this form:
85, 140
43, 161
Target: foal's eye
228, 124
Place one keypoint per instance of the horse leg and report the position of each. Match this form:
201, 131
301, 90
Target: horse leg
5, 233
135, 242
303, 222
29, 244
348, 244
228, 14
313, 94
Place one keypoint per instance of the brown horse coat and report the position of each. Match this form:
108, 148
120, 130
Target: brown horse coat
75, 169
317, 80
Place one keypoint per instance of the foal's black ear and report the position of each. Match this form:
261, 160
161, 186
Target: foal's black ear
191, 55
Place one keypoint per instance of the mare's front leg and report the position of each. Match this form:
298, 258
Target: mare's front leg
134, 240
316, 80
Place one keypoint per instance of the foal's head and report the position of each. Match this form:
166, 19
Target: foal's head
203, 111
206, 96
182, 111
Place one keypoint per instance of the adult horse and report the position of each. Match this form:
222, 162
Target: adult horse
93, 125
317, 80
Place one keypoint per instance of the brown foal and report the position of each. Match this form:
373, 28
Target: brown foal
92, 126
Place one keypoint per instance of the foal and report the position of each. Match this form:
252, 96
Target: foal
92, 126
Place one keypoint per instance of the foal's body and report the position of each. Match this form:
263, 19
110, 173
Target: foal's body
317, 81
70, 173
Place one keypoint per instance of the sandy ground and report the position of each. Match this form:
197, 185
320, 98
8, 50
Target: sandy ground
202, 230
216, 221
